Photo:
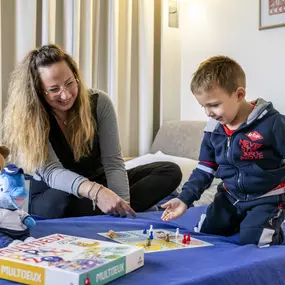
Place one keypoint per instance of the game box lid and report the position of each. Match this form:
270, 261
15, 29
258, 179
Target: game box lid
63, 259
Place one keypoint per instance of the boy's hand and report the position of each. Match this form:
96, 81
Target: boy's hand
173, 209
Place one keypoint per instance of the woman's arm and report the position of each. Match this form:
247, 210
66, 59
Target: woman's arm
111, 156
58, 177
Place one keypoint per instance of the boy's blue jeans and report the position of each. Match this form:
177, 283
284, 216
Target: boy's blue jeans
259, 221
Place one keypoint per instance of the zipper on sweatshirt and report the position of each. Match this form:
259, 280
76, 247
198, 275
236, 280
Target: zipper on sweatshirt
229, 140
228, 148
239, 181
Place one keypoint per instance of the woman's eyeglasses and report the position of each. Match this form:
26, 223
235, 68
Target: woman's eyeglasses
69, 86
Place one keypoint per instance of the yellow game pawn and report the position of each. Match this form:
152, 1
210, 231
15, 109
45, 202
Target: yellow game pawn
148, 243
167, 238
111, 234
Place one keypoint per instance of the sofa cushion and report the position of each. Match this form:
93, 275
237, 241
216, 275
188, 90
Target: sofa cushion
179, 138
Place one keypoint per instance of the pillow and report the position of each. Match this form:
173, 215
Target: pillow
186, 165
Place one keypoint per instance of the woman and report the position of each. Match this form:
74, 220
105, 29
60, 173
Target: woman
68, 136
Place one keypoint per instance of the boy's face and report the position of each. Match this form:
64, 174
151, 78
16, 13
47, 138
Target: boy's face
219, 104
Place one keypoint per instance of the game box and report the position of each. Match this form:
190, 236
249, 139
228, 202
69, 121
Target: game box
63, 259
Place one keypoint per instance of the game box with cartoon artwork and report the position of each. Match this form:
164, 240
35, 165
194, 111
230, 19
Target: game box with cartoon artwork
63, 259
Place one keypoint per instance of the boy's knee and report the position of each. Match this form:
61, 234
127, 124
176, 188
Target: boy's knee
260, 236
248, 237
209, 227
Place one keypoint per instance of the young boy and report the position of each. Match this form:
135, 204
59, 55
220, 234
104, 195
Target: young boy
244, 145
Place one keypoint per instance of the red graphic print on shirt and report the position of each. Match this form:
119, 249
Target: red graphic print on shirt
249, 150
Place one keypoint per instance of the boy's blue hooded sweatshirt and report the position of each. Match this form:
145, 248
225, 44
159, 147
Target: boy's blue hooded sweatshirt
250, 162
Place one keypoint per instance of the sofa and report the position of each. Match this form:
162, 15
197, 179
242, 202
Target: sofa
178, 142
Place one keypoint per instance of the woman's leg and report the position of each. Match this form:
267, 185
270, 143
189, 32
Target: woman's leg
149, 184
152, 182
52, 204
47, 202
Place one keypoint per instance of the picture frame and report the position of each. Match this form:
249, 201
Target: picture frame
271, 14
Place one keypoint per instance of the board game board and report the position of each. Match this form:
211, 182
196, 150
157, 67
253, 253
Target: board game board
62, 259
158, 243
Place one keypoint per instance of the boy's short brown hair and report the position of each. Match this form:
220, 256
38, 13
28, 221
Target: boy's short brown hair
218, 71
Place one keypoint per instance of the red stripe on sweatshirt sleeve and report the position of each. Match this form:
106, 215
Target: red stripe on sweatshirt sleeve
210, 163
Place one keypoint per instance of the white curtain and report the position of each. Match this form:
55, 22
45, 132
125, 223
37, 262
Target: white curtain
111, 40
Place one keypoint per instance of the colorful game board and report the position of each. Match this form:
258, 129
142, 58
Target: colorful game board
158, 243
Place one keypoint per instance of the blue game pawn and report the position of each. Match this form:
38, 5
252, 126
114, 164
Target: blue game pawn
151, 235
144, 232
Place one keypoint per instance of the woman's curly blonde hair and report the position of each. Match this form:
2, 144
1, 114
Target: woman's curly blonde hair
26, 124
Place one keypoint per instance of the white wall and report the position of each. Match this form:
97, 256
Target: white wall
219, 27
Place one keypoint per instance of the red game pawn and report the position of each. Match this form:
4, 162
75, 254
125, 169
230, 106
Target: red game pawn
184, 241
87, 281
188, 239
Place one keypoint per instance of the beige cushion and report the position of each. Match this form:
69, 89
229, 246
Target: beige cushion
179, 138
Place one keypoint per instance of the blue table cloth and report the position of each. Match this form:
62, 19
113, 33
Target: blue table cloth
225, 263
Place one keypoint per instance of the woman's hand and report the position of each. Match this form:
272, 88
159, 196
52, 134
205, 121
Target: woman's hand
110, 203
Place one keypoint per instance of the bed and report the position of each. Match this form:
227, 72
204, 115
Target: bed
224, 263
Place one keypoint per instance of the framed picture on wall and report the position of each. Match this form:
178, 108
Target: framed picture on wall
271, 14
